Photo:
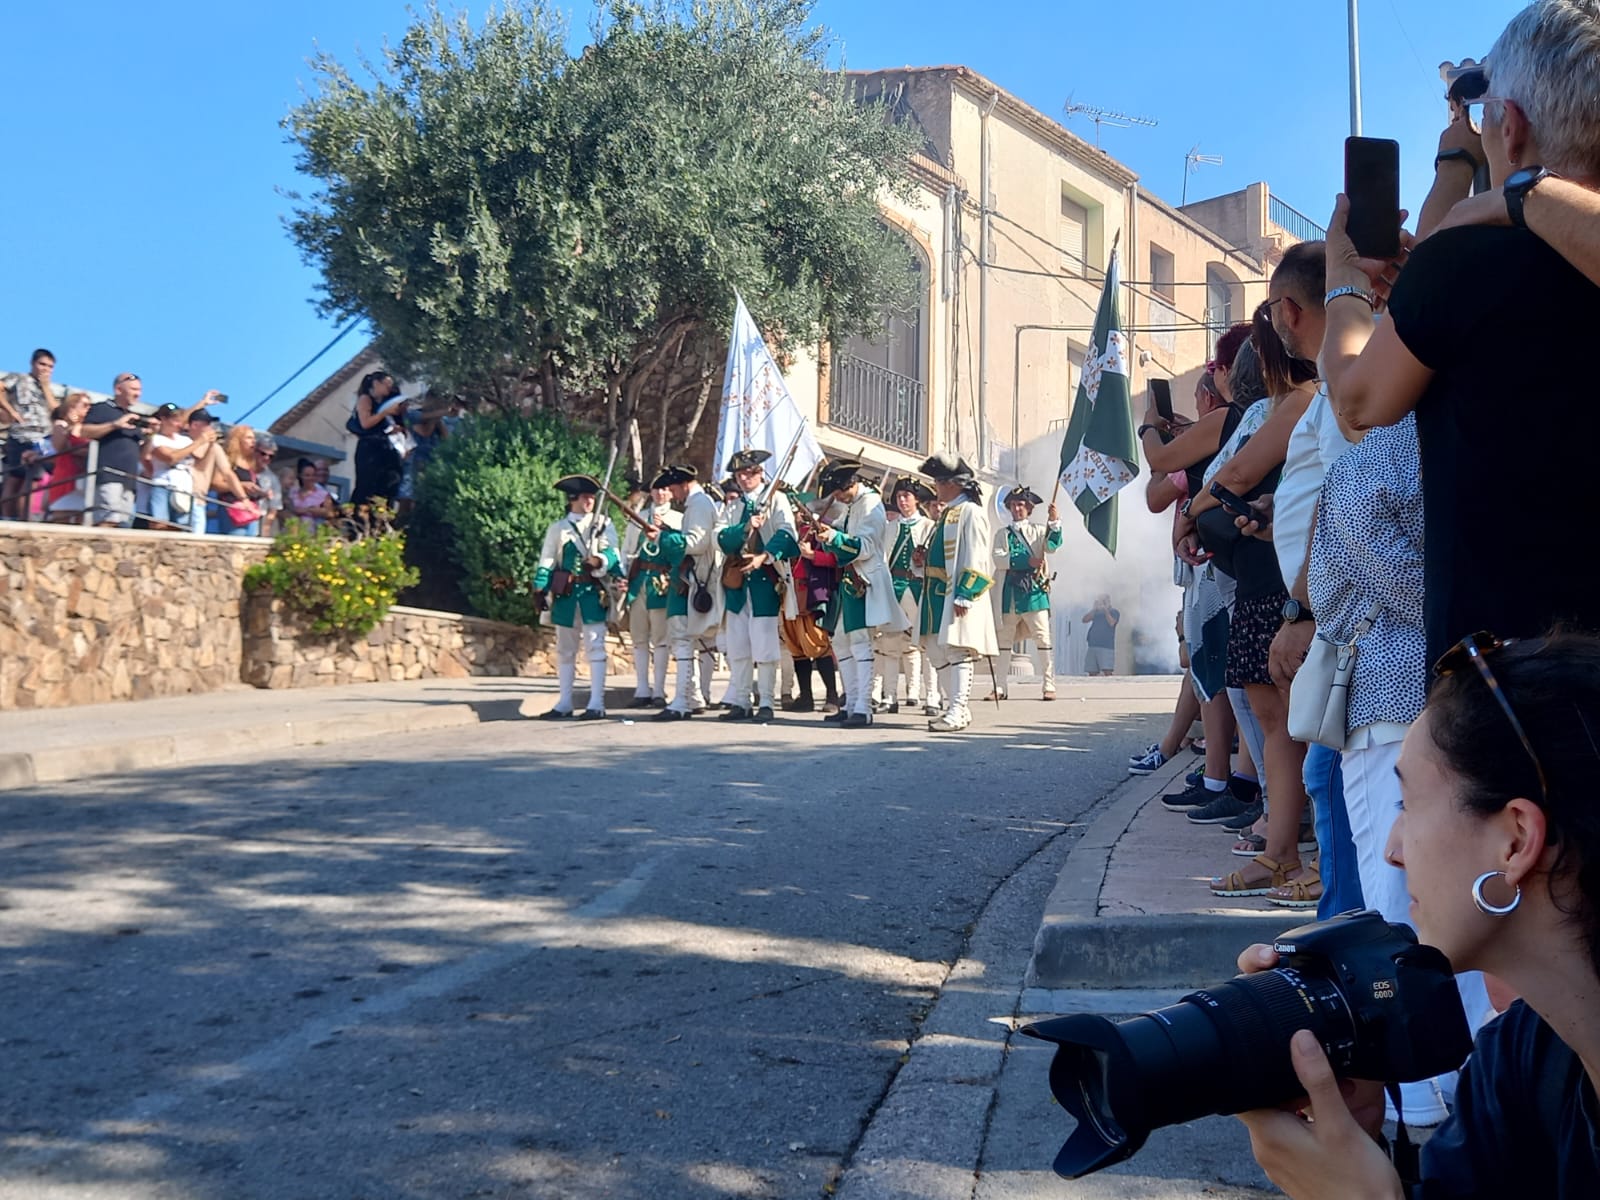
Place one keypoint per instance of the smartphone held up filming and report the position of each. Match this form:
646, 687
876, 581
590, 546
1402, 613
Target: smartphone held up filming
1372, 181
1161, 397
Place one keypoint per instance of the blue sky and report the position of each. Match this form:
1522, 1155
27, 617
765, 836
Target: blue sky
141, 206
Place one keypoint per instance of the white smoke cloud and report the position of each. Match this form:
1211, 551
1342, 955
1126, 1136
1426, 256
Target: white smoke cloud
1138, 579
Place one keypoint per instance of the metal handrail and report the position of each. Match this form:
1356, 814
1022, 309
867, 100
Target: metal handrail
1294, 222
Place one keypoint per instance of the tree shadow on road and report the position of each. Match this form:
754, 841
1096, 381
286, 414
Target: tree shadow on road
683, 970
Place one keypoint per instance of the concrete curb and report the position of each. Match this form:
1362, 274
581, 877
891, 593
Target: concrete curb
1076, 947
66, 763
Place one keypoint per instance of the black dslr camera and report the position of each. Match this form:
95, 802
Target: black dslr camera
1382, 1006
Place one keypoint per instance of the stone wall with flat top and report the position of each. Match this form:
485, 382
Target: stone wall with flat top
91, 615
94, 615
409, 643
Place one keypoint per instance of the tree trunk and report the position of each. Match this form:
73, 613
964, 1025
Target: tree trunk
699, 411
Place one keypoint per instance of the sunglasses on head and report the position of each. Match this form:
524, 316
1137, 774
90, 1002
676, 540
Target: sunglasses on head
1475, 649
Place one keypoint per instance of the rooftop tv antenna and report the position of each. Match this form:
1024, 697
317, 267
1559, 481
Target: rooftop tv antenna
1192, 162
1103, 116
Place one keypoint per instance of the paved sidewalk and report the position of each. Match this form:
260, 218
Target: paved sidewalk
55, 744
1131, 908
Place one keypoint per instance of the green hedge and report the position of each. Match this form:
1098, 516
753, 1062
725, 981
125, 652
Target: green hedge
489, 493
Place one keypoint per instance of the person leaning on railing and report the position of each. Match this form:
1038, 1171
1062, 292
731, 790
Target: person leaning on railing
69, 465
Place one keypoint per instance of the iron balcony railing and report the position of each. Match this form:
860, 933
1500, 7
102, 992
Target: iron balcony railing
877, 403
1294, 222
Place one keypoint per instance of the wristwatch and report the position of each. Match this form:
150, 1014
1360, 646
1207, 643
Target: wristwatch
1294, 612
1142, 430
1516, 188
1458, 154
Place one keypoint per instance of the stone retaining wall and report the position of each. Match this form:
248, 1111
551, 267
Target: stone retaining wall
92, 615
410, 643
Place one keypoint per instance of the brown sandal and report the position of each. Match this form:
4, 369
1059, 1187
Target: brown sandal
1235, 884
1304, 892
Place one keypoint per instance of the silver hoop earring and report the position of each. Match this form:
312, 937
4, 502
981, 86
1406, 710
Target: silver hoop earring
1494, 910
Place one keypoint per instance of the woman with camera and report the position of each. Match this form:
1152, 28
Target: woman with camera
1500, 841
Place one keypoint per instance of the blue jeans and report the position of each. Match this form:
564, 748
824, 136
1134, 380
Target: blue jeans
1341, 880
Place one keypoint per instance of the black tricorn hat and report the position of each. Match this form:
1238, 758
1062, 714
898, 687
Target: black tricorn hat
947, 468
676, 473
1023, 492
715, 492
910, 483
840, 473
578, 485
746, 459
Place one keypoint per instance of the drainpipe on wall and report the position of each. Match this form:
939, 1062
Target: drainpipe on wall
1130, 271
983, 280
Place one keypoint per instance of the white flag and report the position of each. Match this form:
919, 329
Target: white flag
758, 413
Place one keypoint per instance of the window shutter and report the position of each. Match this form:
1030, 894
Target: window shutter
1073, 236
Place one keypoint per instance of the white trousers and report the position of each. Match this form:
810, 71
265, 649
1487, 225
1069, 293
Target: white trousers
900, 653
648, 627
856, 663
752, 644
591, 639
689, 652
1031, 627
1372, 799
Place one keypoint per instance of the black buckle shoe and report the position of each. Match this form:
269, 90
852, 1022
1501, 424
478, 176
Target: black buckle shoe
764, 714
858, 721
672, 714
556, 714
735, 713
592, 714
836, 718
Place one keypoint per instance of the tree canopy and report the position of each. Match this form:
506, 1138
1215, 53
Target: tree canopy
531, 229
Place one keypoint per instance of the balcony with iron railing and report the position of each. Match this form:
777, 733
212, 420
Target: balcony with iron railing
1294, 222
878, 403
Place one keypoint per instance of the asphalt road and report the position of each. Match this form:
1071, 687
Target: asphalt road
610, 960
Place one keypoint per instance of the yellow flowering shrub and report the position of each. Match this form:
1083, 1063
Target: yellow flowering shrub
336, 585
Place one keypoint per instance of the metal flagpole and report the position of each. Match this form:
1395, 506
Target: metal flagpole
1355, 70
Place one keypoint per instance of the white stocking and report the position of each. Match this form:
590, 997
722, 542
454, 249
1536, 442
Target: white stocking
766, 678
566, 672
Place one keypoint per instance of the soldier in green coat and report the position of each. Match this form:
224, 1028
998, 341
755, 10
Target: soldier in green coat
580, 550
1020, 549
757, 536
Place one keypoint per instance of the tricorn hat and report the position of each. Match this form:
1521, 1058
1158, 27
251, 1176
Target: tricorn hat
714, 492
945, 467
910, 483
1024, 493
676, 473
746, 459
840, 473
578, 485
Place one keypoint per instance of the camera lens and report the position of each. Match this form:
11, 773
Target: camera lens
1381, 1006
1122, 1080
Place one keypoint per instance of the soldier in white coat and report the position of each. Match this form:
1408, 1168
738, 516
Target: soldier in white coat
579, 552
694, 603
649, 582
957, 616
907, 533
866, 602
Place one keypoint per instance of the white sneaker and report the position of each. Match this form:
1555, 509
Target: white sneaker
1149, 764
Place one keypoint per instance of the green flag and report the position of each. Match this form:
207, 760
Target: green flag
1099, 456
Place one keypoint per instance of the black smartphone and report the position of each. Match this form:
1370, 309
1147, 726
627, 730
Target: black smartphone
221, 397
1234, 504
1161, 397
1372, 181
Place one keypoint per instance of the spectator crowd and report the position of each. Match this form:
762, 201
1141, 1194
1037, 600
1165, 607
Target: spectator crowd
72, 459
1400, 634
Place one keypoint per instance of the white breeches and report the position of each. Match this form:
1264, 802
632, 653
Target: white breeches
1031, 627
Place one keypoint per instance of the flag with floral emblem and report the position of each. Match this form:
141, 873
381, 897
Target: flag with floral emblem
1099, 454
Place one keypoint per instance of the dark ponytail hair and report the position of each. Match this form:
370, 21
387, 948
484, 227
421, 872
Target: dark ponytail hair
1553, 685
1280, 371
